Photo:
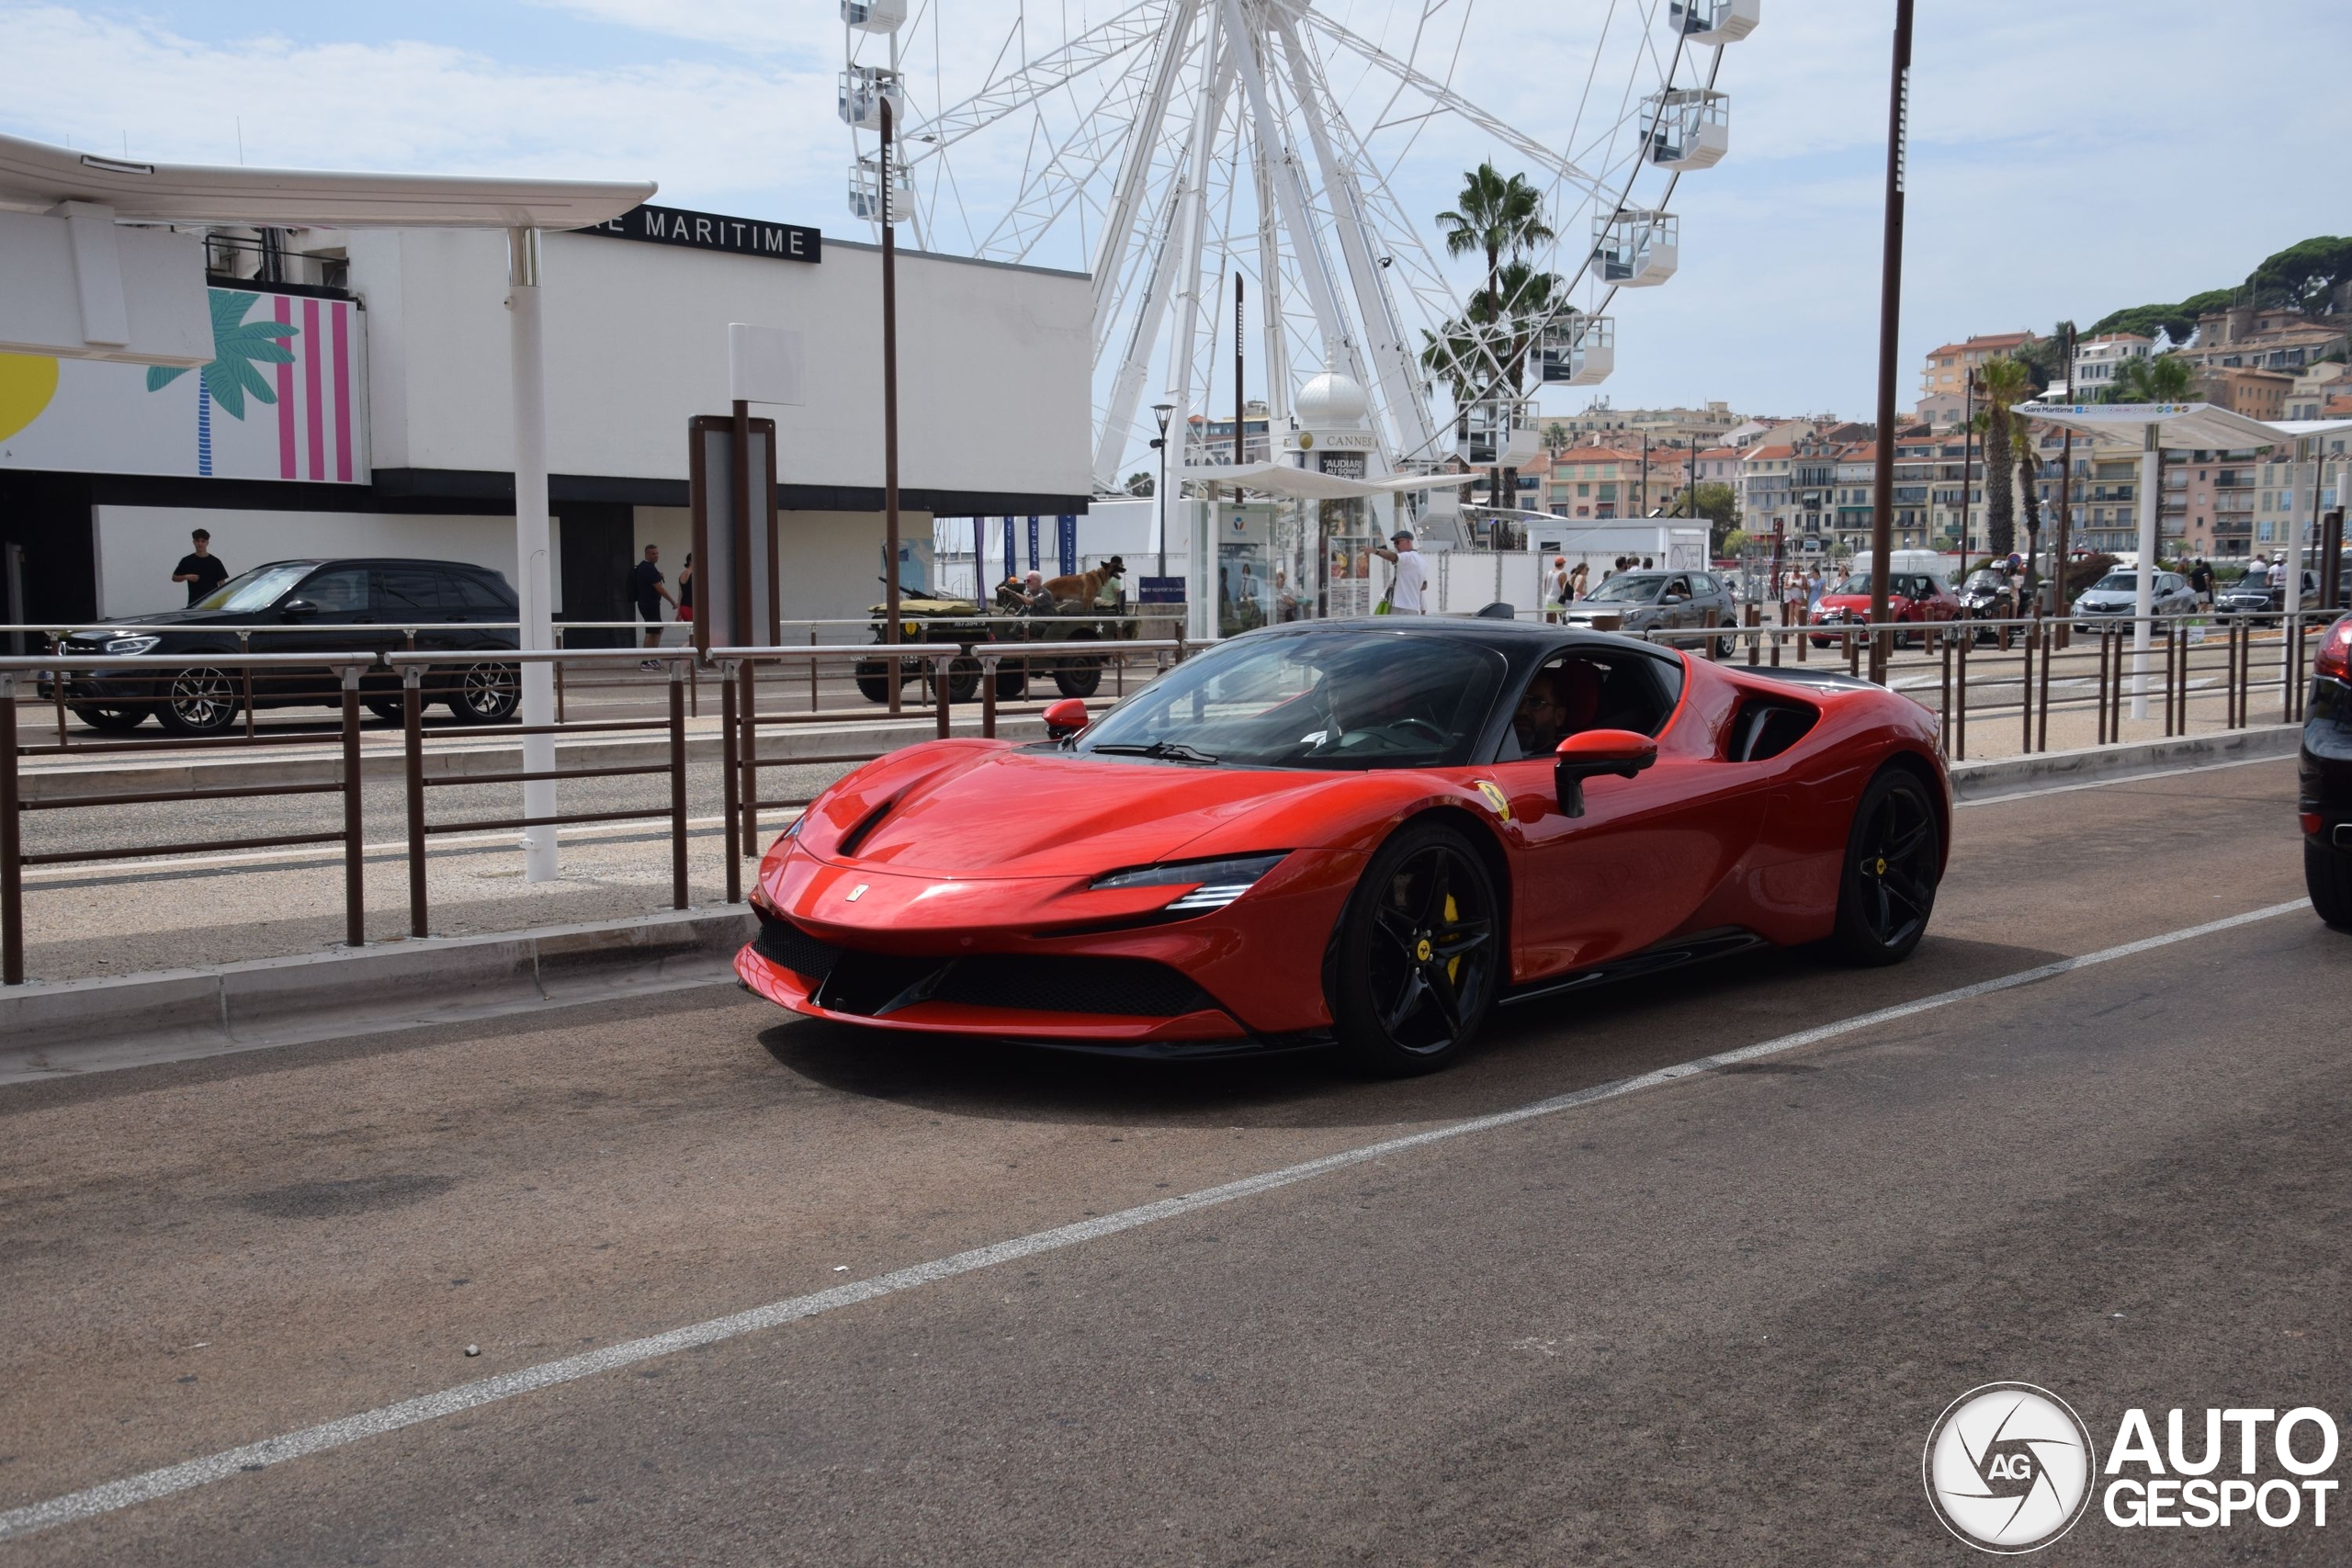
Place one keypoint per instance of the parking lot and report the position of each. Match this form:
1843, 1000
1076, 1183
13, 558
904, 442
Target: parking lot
1666, 1315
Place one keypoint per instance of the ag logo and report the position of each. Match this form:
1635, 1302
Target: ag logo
2009, 1468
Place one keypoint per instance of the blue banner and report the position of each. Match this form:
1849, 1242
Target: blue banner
1069, 542
1033, 544
1011, 561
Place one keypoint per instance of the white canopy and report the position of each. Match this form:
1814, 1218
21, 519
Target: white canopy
36, 177
2178, 425
1283, 479
2299, 428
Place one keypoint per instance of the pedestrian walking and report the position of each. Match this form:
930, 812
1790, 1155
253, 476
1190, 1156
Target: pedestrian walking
647, 588
2200, 578
686, 589
1577, 581
1556, 599
1412, 574
201, 569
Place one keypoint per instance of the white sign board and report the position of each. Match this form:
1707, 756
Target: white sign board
764, 365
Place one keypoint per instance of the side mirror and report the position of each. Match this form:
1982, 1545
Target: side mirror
1593, 754
1065, 718
297, 609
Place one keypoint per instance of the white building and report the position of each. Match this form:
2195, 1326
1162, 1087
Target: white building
2099, 361
386, 429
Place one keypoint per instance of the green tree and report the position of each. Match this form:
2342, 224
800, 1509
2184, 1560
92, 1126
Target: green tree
2001, 382
1141, 482
2303, 274
1500, 219
1556, 438
1734, 541
2175, 321
2160, 378
237, 345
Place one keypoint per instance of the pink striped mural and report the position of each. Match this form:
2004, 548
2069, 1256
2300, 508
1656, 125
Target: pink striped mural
284, 310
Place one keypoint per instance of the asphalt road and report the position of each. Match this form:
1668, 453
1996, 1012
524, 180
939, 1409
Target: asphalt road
1708, 1320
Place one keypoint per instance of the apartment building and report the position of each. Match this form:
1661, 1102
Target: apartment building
1600, 424
1943, 385
2308, 398
2099, 362
2285, 340
2258, 394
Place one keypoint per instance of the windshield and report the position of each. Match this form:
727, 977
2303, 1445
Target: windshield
1983, 583
1858, 583
1322, 699
258, 588
2117, 582
1627, 588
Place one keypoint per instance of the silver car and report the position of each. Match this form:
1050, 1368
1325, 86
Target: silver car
1660, 601
2113, 598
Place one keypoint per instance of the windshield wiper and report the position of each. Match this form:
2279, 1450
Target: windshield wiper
1163, 750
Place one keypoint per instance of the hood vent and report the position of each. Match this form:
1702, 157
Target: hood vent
865, 828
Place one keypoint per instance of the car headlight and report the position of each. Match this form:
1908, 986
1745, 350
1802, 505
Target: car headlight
1213, 883
131, 644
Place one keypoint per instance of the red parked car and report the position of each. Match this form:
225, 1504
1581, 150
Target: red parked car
1913, 599
1365, 832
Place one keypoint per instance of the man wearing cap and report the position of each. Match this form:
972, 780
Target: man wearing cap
1412, 574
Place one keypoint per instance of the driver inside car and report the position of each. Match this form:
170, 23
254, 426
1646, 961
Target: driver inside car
1561, 701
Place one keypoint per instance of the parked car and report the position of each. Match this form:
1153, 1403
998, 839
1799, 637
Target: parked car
306, 606
2325, 785
1660, 601
1913, 600
2264, 596
2114, 598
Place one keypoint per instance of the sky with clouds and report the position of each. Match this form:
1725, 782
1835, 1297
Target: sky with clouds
2067, 158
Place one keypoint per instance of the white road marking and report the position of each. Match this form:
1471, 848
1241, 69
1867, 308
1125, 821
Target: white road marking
115, 1495
2127, 778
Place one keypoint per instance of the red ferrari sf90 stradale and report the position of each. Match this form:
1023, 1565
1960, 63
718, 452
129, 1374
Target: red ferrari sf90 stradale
1367, 833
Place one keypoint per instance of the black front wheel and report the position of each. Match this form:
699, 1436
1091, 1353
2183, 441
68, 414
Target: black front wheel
1893, 857
1418, 955
204, 700
2328, 875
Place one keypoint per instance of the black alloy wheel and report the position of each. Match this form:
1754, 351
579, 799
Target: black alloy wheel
963, 680
1011, 681
1887, 890
202, 700
2327, 877
1416, 956
108, 718
486, 693
1079, 674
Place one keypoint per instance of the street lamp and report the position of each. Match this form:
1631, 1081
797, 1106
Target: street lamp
1161, 411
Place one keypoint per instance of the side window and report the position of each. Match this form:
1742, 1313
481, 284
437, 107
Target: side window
480, 595
410, 592
343, 589
1706, 584
1581, 691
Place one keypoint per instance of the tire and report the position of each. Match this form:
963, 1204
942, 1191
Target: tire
963, 680
483, 693
202, 699
1416, 957
108, 720
873, 681
1080, 676
2328, 875
1012, 682
389, 712
1886, 889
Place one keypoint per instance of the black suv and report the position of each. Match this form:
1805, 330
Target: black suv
303, 606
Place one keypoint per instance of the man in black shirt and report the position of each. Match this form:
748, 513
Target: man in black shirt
201, 569
645, 588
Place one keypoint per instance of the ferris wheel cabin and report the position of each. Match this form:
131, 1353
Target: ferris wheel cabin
863, 87
1690, 128
1713, 21
879, 16
1498, 431
1578, 353
1636, 250
865, 190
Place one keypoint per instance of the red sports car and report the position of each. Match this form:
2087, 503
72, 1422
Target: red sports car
1913, 599
1367, 833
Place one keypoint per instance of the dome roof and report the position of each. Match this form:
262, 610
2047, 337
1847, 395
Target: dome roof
1332, 402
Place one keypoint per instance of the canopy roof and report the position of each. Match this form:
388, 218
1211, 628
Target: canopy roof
36, 177
1283, 479
2302, 427
2191, 425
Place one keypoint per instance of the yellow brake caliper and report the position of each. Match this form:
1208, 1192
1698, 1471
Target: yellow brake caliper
1454, 965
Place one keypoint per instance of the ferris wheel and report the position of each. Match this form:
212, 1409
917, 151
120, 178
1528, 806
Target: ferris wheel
1176, 149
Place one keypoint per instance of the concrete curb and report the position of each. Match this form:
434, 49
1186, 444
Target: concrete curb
2102, 764
381, 766
78, 1026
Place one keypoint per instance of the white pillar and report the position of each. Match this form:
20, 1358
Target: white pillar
535, 583
2143, 596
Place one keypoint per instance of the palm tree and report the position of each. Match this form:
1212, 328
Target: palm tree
1501, 219
1556, 438
2003, 381
2162, 378
237, 344
2030, 490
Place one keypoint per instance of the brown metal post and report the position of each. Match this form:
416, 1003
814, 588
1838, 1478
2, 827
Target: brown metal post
988, 699
727, 769
813, 672
2098, 689
2042, 634
354, 849
1947, 688
889, 419
1755, 652
677, 784
412, 772
942, 677
12, 864
748, 753
1959, 705
2025, 697
1890, 311
2171, 635
245, 679
558, 676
